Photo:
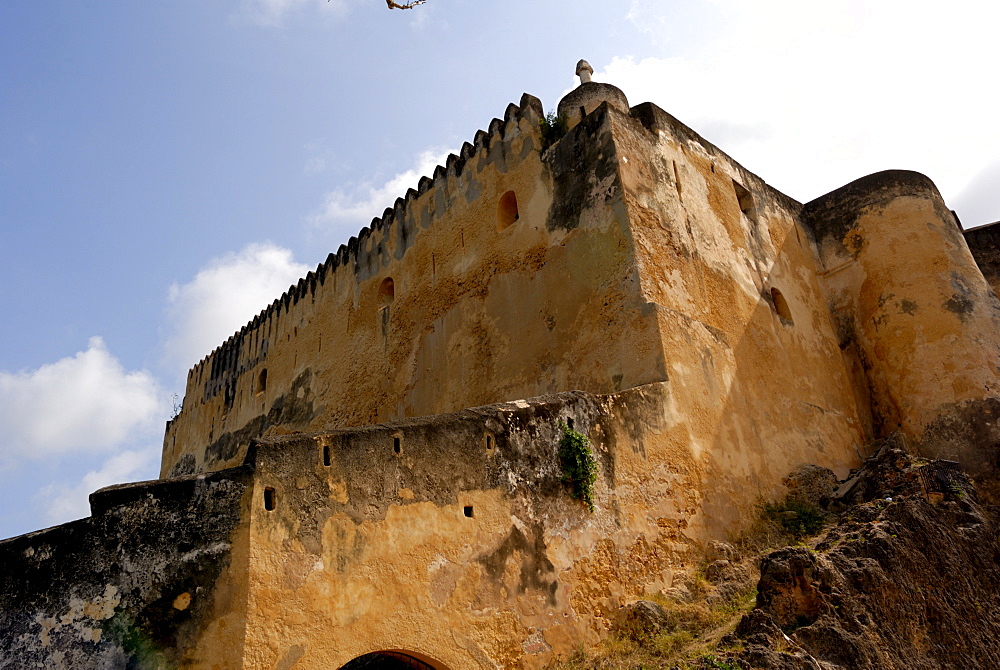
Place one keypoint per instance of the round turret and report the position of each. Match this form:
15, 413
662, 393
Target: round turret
588, 96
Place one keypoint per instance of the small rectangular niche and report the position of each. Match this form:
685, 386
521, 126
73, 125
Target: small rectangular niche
326, 455
745, 198
467, 510
397, 445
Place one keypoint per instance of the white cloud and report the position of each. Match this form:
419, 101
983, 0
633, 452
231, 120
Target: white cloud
672, 22
84, 403
315, 165
64, 502
813, 95
223, 297
350, 209
272, 13
426, 16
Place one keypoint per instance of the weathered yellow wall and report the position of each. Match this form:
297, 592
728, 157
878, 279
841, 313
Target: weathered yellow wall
757, 394
374, 552
644, 265
479, 315
222, 632
915, 310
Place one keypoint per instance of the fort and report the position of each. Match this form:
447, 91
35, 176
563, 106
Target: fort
371, 465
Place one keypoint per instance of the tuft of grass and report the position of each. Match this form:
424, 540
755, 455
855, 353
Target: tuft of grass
689, 640
796, 518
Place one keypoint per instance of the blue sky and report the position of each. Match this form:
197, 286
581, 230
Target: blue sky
168, 168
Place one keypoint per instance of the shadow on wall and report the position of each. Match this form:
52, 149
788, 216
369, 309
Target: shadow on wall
771, 416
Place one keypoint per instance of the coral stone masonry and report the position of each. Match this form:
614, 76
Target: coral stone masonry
370, 468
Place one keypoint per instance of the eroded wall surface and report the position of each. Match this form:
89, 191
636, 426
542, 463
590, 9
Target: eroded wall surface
155, 578
912, 306
758, 383
451, 537
484, 306
454, 539
463, 546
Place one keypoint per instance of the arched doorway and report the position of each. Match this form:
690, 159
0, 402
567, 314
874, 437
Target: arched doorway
387, 660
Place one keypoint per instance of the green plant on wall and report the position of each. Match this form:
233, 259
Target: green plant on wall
553, 128
579, 467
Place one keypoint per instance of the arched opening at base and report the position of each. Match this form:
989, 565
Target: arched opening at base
387, 660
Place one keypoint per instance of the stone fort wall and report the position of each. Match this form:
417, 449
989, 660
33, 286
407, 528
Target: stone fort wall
639, 253
477, 287
630, 252
720, 333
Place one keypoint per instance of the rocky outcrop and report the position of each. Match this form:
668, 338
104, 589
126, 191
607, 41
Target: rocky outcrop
909, 578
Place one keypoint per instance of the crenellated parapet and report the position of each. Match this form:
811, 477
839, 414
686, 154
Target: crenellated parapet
364, 254
332, 322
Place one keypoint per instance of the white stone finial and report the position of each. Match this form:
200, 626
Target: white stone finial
583, 70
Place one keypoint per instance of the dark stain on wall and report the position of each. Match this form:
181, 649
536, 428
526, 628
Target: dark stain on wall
961, 302
960, 305
582, 159
144, 546
834, 215
292, 410
535, 571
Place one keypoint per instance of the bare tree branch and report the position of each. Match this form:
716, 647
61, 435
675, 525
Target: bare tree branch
405, 5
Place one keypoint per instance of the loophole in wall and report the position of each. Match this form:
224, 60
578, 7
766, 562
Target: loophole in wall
386, 291
270, 499
507, 210
781, 305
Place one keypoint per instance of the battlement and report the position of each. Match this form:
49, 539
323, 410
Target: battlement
476, 237
367, 253
513, 273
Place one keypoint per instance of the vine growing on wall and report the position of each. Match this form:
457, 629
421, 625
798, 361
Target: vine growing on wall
579, 466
